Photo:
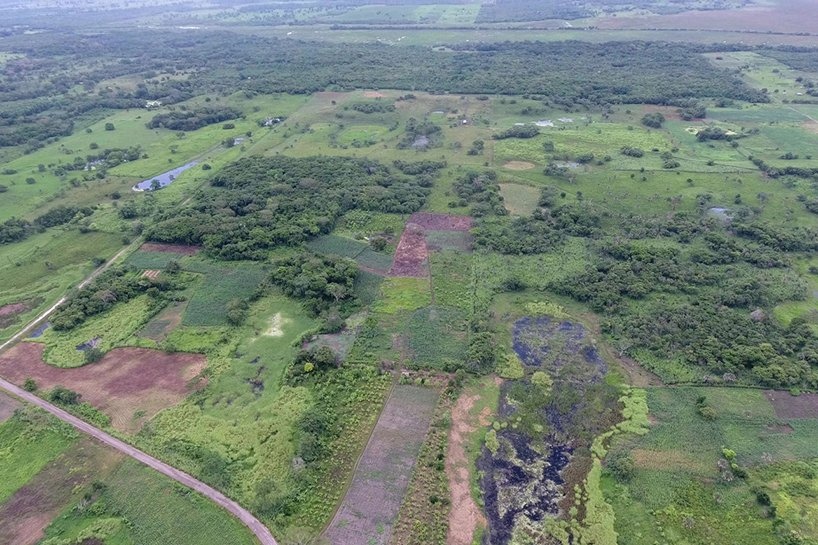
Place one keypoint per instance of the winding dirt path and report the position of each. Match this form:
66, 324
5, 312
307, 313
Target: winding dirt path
465, 516
261, 532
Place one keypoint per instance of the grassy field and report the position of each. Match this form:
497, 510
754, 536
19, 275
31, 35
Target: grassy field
676, 492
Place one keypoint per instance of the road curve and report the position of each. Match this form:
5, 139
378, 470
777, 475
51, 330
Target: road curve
261, 532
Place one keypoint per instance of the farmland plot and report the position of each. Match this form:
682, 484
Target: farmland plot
368, 512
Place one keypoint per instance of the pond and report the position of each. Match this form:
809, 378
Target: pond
164, 179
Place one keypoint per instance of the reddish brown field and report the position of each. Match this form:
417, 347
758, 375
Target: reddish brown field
31, 509
7, 407
153, 274
125, 381
181, 249
412, 255
441, 222
788, 406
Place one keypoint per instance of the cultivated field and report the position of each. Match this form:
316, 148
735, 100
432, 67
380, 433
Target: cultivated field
371, 504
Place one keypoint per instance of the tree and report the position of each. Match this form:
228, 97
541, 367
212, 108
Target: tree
30, 385
63, 396
236, 311
109, 126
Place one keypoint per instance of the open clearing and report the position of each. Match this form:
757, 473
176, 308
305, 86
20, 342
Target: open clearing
412, 255
788, 406
518, 165
127, 382
519, 200
368, 511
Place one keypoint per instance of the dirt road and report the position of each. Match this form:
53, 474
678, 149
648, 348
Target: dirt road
261, 532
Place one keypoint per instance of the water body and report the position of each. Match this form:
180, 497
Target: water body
164, 179
40, 330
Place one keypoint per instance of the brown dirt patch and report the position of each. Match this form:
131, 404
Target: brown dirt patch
12, 309
411, 255
125, 381
790, 407
666, 459
441, 222
465, 516
31, 509
181, 249
519, 165
373, 94
369, 509
811, 126
153, 274
669, 112
7, 407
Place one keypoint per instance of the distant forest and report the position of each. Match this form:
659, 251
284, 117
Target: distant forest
35, 105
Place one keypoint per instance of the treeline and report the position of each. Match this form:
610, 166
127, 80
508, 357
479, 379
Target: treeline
17, 229
116, 285
258, 203
190, 120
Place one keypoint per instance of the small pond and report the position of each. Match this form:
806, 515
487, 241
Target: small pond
164, 179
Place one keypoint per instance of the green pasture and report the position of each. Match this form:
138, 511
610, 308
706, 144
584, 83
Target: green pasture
675, 492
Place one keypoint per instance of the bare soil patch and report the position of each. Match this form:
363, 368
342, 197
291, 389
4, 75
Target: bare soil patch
790, 407
181, 249
465, 516
31, 509
370, 507
669, 112
124, 382
277, 323
373, 94
441, 222
811, 126
519, 165
153, 274
7, 407
412, 255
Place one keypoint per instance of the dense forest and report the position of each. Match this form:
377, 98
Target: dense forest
35, 103
257, 203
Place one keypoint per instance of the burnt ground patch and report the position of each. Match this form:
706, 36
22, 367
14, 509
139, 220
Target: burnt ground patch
543, 433
788, 406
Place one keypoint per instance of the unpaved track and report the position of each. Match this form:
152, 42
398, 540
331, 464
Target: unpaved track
261, 532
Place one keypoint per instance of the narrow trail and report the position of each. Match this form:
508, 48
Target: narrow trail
261, 532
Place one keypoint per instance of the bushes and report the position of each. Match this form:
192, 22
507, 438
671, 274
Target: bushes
516, 236
322, 282
654, 120
518, 131
192, 120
